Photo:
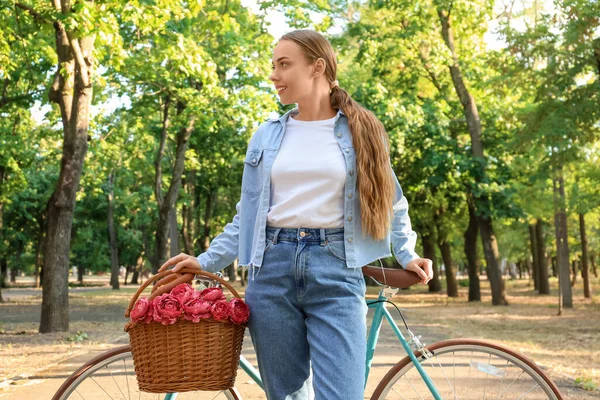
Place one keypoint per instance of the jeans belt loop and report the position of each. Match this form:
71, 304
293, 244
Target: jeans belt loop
275, 235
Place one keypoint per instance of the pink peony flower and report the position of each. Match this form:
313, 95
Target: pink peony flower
196, 308
212, 294
167, 309
220, 310
238, 311
183, 292
142, 311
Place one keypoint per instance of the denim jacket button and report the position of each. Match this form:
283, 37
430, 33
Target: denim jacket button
339, 135
349, 195
349, 218
351, 172
350, 239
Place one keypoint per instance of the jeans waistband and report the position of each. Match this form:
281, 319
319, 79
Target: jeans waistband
317, 235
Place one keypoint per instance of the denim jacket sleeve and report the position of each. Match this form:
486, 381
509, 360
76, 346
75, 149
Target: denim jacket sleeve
403, 238
224, 248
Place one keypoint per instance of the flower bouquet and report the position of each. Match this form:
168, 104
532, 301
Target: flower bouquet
185, 302
185, 339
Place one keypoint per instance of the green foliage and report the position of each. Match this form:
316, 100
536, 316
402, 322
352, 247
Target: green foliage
537, 94
78, 336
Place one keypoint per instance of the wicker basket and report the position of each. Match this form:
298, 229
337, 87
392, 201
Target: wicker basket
185, 356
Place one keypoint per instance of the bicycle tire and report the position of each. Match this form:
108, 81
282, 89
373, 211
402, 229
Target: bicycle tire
83, 379
393, 386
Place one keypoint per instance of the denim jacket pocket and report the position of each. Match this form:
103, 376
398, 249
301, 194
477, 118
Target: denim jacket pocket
252, 179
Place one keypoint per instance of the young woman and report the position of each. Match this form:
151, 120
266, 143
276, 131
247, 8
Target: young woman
319, 201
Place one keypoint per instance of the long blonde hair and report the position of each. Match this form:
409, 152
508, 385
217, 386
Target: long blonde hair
375, 182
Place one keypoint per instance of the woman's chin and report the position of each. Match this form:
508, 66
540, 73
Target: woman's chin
286, 100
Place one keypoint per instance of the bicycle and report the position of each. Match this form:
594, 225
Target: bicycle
479, 368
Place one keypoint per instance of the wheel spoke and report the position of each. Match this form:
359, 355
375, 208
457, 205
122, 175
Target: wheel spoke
514, 380
527, 392
399, 395
485, 379
96, 380
479, 370
414, 388
444, 372
127, 379
100, 386
115, 381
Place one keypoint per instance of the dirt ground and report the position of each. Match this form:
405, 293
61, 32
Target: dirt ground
567, 346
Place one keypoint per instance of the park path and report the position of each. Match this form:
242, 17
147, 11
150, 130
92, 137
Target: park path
41, 382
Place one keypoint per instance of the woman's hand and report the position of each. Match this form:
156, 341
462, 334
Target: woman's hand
167, 283
180, 261
422, 267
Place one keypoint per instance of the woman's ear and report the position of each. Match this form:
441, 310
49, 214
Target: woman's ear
320, 67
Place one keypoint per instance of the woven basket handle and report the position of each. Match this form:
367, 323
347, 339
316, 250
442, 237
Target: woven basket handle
185, 272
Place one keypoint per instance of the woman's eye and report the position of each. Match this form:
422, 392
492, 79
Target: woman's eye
284, 63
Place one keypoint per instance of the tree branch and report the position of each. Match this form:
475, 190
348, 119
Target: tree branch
36, 15
83, 70
5, 100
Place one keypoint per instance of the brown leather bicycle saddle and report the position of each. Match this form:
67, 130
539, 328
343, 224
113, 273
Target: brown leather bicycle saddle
398, 278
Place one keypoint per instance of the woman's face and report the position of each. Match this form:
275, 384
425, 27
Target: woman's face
291, 70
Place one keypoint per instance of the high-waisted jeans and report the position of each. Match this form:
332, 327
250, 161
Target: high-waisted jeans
308, 317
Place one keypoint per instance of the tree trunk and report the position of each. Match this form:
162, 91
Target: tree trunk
574, 270
486, 230
490, 249
534, 256
138, 269
112, 233
207, 216
2, 256
452, 286
148, 248
80, 272
561, 233
166, 203
127, 269
3, 272
470, 238
232, 271
429, 252
187, 213
173, 232
585, 269
444, 246
544, 285
41, 238
593, 263
72, 91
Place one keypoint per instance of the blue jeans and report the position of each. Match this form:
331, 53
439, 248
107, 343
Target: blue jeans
308, 311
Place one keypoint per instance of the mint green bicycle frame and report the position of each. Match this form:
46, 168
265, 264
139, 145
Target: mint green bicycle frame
381, 312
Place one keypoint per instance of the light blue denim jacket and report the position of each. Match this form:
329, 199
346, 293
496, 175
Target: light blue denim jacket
245, 236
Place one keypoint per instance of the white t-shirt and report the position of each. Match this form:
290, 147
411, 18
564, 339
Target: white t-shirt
308, 177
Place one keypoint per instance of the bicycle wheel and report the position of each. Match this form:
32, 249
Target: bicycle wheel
111, 375
468, 369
